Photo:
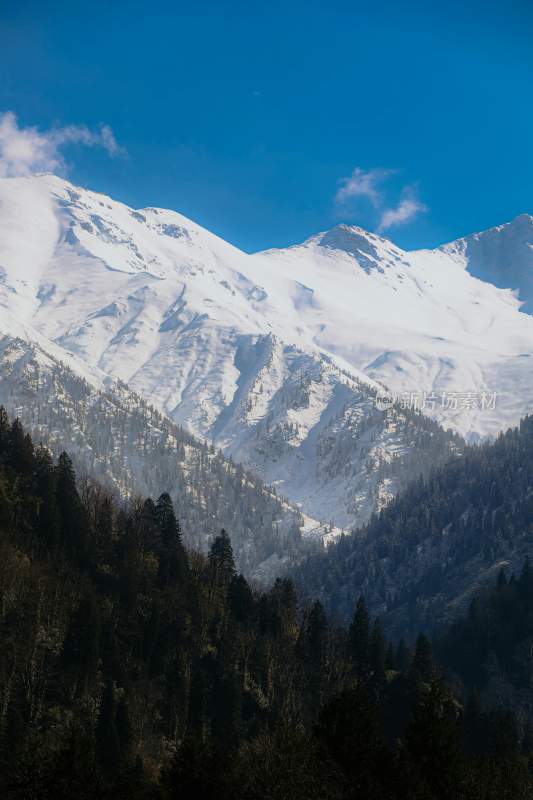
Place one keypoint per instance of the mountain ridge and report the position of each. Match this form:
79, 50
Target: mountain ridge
512, 265
265, 354
119, 440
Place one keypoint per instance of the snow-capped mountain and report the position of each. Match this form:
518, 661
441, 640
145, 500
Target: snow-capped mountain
420, 322
275, 357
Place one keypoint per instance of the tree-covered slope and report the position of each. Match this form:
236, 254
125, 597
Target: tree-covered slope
490, 648
420, 559
117, 438
132, 668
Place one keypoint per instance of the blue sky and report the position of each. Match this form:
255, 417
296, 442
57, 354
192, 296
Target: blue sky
267, 122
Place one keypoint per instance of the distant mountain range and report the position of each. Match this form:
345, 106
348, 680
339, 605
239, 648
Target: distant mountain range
277, 358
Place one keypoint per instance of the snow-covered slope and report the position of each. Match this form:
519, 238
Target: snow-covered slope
117, 438
276, 357
185, 319
502, 255
417, 322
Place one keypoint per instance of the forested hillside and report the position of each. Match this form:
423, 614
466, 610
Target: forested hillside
491, 648
131, 667
419, 561
116, 437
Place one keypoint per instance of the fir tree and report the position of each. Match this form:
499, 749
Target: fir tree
123, 728
5, 429
377, 653
432, 743
107, 741
73, 517
20, 450
173, 564
82, 643
49, 520
221, 563
241, 600
360, 639
422, 666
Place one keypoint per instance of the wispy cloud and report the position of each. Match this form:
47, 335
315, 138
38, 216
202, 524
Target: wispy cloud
362, 183
407, 209
371, 186
25, 151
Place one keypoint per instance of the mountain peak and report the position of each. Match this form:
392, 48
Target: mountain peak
501, 255
350, 238
368, 249
522, 218
519, 225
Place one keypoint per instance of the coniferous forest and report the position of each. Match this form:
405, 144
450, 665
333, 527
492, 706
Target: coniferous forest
422, 558
131, 667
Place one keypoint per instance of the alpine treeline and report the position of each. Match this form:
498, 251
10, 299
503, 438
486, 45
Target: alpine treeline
133, 668
128, 446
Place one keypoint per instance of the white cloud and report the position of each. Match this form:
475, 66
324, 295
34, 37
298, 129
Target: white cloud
407, 209
369, 184
110, 143
362, 183
25, 151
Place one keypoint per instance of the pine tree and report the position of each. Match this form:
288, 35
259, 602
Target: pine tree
49, 520
473, 723
284, 605
316, 632
81, 649
123, 728
432, 743
241, 600
20, 450
349, 727
313, 646
221, 562
502, 578
73, 517
525, 585
390, 659
173, 563
5, 429
168, 524
104, 525
150, 534
107, 741
6, 504
423, 666
359, 638
226, 701
377, 652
